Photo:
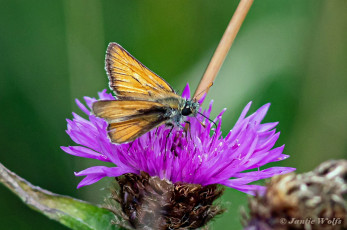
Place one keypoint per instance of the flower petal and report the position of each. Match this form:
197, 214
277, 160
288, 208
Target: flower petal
84, 152
90, 179
94, 174
186, 92
249, 189
82, 107
245, 178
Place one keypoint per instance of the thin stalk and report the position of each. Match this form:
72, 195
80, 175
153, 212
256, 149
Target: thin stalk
223, 48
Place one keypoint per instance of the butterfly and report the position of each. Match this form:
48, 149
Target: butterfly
144, 100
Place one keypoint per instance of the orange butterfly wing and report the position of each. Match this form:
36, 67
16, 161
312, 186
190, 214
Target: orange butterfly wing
130, 119
129, 130
131, 80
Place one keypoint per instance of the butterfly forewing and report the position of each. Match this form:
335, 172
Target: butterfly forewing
130, 79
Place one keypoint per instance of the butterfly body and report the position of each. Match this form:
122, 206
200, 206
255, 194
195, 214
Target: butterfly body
144, 100
179, 108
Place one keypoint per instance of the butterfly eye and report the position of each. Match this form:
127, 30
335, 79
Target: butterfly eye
186, 111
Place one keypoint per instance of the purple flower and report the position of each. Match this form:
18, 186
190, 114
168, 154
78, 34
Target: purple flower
200, 156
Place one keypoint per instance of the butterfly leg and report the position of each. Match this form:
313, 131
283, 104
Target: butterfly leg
187, 129
168, 135
130, 145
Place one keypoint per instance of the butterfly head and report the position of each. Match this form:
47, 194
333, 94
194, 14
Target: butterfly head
190, 108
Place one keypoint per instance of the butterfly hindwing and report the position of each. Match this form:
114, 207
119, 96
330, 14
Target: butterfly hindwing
129, 130
130, 119
131, 80
115, 110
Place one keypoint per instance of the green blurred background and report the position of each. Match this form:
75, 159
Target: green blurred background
291, 53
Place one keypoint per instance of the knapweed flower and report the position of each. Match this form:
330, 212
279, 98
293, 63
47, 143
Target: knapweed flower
200, 156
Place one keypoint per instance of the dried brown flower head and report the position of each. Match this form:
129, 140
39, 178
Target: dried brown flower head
313, 200
151, 203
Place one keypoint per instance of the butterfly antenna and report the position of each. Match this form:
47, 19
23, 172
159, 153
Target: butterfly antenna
207, 88
208, 119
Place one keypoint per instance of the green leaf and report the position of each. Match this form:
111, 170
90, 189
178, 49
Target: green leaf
73, 213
